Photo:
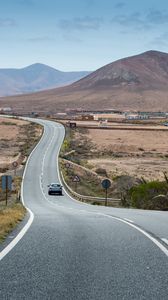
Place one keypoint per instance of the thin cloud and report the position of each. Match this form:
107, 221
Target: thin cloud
120, 5
40, 39
161, 40
157, 17
134, 19
79, 24
139, 20
7, 22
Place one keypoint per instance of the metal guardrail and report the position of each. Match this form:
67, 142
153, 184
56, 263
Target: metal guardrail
83, 198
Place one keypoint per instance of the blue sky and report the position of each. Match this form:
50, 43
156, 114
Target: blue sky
79, 34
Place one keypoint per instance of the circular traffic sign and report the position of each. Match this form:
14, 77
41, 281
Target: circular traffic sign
67, 165
15, 164
106, 183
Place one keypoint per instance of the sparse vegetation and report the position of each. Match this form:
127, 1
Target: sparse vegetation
151, 195
29, 131
101, 172
6, 123
139, 192
19, 142
14, 212
89, 185
9, 218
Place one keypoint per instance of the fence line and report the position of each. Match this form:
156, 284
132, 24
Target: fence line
83, 198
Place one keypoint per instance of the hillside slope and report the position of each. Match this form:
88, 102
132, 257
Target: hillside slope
135, 83
34, 78
147, 70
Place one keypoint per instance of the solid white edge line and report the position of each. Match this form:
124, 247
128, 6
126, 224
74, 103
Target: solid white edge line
58, 170
154, 240
10, 246
13, 243
23, 231
128, 220
165, 240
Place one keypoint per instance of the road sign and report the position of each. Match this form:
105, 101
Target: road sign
72, 125
6, 185
106, 183
6, 182
67, 165
15, 164
76, 178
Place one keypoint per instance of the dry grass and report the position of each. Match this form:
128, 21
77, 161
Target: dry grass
129, 141
9, 218
135, 153
18, 138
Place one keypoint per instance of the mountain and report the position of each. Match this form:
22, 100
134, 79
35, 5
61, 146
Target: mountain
134, 83
34, 78
147, 70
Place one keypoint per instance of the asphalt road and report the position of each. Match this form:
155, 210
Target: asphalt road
76, 251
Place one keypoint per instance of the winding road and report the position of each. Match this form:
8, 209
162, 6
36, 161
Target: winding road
67, 250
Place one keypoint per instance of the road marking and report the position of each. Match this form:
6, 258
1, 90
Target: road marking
128, 220
165, 240
60, 180
13, 243
154, 240
23, 231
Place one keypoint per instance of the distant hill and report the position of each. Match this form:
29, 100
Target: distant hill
135, 83
148, 70
35, 78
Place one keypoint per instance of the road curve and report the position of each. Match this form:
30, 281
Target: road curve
78, 251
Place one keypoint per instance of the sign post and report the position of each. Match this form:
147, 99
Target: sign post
15, 164
6, 185
106, 183
67, 165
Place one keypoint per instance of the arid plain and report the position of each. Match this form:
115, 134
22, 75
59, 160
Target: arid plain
130, 152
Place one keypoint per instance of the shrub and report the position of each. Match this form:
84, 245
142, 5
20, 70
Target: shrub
144, 195
101, 172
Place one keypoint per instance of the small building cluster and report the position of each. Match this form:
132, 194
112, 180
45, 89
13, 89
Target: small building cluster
5, 110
